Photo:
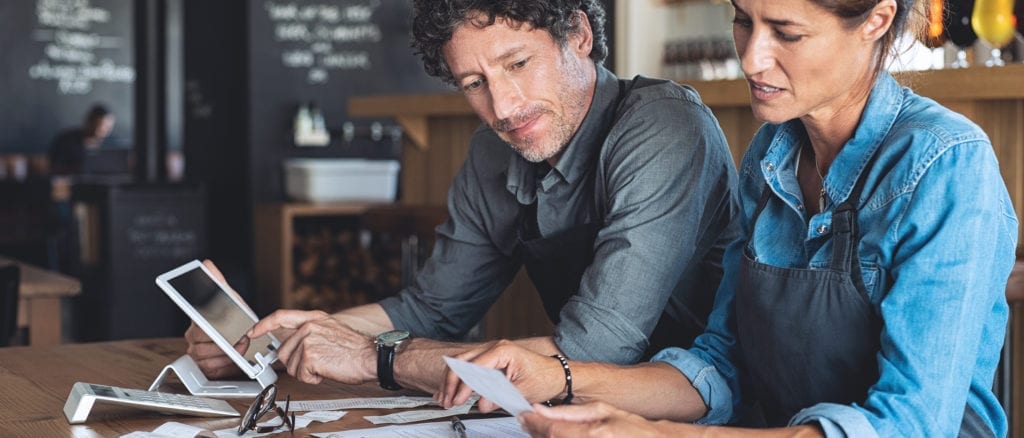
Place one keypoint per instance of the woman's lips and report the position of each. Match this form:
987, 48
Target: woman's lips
764, 91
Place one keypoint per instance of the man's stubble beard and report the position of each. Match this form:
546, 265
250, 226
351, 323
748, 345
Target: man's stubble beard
571, 96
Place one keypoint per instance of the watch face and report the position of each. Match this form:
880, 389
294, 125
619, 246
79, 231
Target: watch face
392, 337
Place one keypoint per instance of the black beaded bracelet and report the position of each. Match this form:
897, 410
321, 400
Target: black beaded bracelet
568, 378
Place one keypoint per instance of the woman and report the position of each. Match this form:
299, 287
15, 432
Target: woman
867, 295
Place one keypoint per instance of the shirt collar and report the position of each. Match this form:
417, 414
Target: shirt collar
578, 154
880, 112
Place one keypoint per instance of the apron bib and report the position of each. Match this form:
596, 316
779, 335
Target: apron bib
810, 336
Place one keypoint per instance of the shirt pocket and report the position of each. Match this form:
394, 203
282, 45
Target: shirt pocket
873, 276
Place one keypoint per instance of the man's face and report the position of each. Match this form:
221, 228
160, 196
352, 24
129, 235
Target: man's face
101, 126
531, 91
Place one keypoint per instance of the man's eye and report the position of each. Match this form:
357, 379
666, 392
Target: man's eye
473, 85
519, 64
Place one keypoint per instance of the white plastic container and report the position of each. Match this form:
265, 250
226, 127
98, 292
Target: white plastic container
341, 179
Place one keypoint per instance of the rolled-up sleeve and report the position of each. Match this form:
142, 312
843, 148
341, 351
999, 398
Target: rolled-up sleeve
706, 379
669, 177
836, 421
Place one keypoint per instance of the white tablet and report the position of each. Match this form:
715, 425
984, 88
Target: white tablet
222, 314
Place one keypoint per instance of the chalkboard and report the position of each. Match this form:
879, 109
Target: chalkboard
145, 231
59, 58
324, 51
158, 229
339, 45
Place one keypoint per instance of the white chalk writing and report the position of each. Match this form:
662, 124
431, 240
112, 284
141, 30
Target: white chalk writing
324, 37
75, 56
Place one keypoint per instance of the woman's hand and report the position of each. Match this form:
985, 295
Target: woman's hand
537, 377
596, 419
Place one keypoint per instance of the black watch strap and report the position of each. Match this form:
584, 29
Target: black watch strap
386, 367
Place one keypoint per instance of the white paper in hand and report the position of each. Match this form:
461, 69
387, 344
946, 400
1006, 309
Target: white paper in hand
490, 384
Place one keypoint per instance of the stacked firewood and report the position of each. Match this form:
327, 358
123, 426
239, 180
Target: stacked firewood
340, 265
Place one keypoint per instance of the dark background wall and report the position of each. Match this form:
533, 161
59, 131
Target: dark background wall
216, 125
57, 62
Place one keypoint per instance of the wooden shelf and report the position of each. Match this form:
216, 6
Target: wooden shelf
975, 83
411, 111
409, 105
274, 237
302, 209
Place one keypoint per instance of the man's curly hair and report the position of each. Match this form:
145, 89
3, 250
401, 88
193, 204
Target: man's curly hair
434, 22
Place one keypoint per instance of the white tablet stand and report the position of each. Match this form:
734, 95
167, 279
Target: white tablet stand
196, 382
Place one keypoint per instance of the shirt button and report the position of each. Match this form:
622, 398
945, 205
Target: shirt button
769, 167
800, 207
822, 229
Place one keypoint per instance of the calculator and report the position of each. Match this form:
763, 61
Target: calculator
84, 395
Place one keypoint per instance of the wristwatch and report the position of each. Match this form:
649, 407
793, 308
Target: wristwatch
387, 343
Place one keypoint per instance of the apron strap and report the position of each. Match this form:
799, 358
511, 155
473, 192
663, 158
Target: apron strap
765, 195
846, 230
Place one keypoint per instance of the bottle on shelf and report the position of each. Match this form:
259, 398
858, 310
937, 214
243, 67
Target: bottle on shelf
310, 127
959, 30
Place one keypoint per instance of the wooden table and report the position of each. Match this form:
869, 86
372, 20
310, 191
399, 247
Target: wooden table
39, 307
35, 382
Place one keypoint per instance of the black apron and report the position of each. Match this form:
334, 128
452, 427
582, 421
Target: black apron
556, 263
810, 336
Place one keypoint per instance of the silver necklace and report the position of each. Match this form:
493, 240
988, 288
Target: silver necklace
821, 194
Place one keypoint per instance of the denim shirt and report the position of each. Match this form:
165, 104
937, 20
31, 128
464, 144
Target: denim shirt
652, 168
938, 234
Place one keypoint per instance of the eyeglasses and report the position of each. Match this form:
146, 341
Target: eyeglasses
264, 403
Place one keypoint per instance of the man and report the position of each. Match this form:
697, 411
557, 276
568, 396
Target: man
617, 197
71, 146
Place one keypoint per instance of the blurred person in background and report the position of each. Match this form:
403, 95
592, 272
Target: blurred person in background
69, 149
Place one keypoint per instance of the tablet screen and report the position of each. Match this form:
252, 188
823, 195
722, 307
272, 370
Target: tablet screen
223, 313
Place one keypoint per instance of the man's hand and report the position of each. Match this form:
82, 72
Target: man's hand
538, 377
587, 420
321, 347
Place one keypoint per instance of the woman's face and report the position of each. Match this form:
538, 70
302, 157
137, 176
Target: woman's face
800, 60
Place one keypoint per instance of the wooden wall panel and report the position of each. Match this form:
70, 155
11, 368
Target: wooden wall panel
272, 256
1003, 120
1017, 379
415, 173
739, 125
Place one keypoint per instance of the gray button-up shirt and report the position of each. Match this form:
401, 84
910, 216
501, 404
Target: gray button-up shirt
663, 188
